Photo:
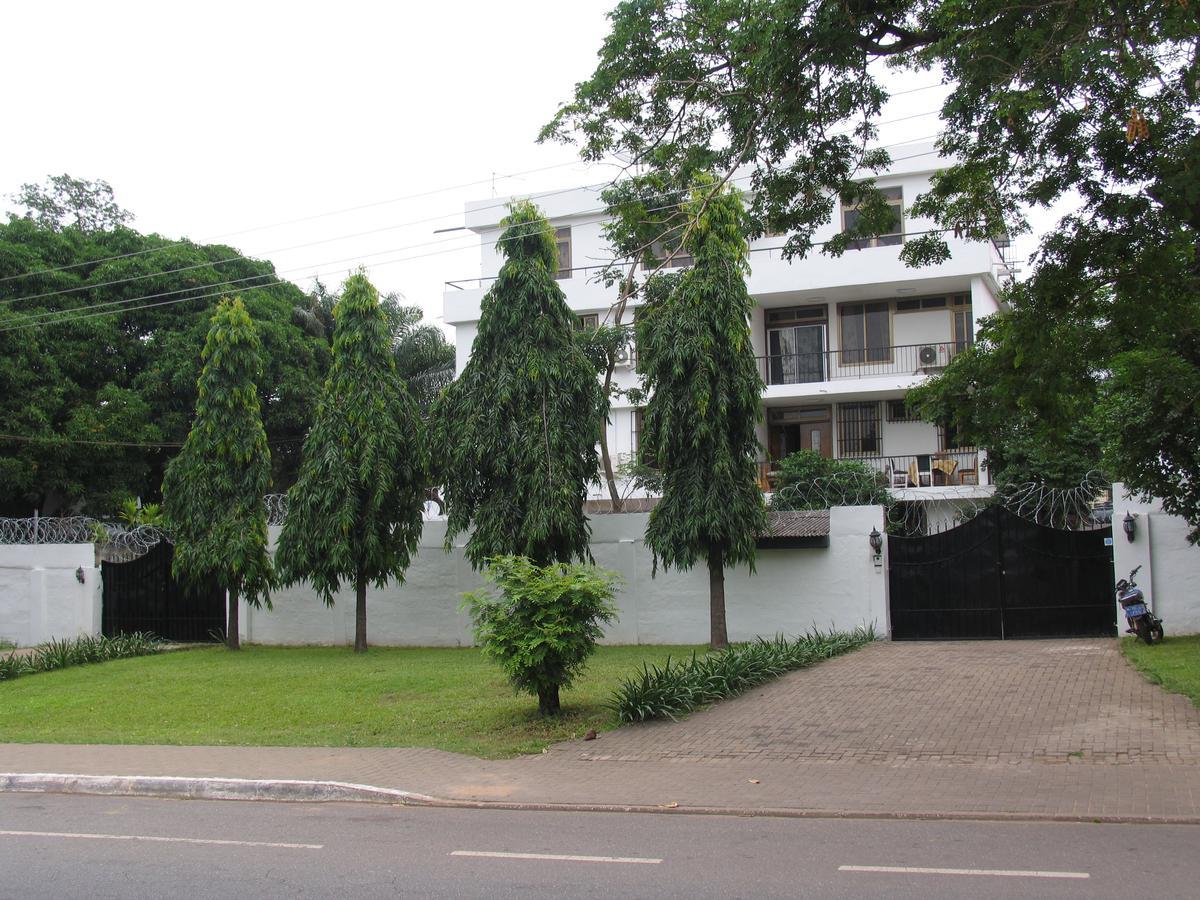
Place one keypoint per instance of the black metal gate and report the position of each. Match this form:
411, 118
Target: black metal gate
141, 595
1001, 576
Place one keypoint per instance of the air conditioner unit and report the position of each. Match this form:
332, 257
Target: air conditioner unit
624, 356
928, 355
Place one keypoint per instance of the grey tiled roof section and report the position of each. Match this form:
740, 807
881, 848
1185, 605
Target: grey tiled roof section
797, 523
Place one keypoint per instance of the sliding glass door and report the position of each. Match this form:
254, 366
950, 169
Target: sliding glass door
797, 354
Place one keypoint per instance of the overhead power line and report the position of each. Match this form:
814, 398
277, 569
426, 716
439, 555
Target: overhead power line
258, 257
124, 305
165, 445
322, 215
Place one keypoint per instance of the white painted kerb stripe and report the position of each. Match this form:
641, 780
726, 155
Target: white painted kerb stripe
158, 839
499, 854
1004, 873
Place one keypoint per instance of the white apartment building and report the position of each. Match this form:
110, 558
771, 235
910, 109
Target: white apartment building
839, 341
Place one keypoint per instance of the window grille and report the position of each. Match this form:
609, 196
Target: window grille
858, 429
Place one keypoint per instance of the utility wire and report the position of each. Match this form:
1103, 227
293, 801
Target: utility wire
90, 315
362, 206
60, 439
335, 212
52, 316
257, 258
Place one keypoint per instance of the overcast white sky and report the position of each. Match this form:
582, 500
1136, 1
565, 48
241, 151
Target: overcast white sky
212, 119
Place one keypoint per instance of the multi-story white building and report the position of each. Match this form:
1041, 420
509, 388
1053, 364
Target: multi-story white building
839, 341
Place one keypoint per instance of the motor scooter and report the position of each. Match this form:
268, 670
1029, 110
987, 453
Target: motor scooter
1142, 622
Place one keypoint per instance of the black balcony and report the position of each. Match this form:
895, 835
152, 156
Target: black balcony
830, 365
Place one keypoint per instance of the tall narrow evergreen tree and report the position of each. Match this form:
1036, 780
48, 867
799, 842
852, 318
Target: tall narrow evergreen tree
354, 513
696, 359
213, 490
517, 431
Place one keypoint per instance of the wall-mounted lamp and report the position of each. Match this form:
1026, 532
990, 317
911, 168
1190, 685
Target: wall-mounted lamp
1130, 525
79, 574
876, 540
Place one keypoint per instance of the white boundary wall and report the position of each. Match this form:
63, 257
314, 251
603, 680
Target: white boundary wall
1170, 574
794, 590
41, 597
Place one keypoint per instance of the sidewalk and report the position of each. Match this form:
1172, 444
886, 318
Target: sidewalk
1048, 729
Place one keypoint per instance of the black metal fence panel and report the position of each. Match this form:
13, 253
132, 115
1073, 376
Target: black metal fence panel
1000, 576
141, 595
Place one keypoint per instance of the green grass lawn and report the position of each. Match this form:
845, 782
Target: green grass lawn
1175, 663
310, 696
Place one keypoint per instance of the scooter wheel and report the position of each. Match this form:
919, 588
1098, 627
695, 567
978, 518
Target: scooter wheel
1155, 633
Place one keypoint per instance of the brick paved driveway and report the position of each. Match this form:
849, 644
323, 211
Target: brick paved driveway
953, 702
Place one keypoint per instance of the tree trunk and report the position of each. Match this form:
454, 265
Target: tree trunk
548, 700
618, 504
360, 613
605, 458
233, 640
718, 637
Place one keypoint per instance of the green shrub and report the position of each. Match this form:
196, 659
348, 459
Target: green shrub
678, 687
60, 654
544, 623
12, 666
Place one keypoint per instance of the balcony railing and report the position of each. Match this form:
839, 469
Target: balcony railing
828, 365
942, 469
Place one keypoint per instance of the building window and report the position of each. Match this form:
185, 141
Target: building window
918, 303
562, 240
894, 197
676, 256
898, 411
866, 332
964, 328
796, 345
858, 429
642, 456
587, 322
948, 438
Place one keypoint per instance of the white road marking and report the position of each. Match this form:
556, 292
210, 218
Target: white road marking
158, 839
1005, 873
562, 857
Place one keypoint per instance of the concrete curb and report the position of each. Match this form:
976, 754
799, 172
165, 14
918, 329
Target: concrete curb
188, 788
293, 791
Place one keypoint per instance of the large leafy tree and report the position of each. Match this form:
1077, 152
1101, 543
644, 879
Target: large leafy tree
1028, 391
516, 432
64, 201
697, 362
102, 330
1090, 101
354, 514
213, 490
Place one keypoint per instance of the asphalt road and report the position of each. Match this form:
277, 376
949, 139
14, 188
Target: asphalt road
79, 846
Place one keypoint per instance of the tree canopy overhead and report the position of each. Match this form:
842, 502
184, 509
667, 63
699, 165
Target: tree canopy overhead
515, 434
1094, 102
101, 332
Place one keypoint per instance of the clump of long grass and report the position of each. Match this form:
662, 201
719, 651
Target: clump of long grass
60, 654
679, 686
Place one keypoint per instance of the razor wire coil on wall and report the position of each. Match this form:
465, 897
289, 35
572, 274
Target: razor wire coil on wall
921, 511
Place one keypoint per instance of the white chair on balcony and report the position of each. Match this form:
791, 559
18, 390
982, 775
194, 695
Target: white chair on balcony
897, 476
